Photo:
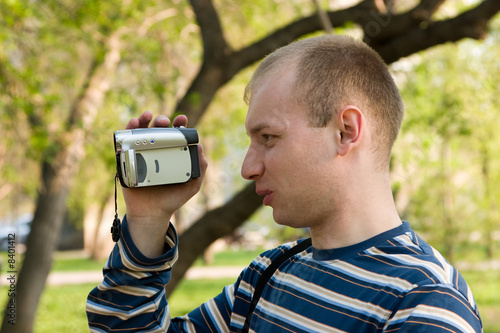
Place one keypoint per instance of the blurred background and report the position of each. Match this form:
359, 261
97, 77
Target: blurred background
73, 72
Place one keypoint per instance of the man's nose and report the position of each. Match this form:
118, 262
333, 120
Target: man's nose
252, 166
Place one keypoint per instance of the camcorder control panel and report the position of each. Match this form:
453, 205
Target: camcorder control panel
156, 156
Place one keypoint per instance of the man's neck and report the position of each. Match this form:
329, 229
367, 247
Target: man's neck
363, 215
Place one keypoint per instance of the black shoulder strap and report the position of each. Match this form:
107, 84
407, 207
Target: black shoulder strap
268, 272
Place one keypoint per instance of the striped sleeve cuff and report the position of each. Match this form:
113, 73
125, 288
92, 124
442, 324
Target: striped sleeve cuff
131, 297
127, 256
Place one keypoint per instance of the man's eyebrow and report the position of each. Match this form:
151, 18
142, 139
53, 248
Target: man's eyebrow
257, 128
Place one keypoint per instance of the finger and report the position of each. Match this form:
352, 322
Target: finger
161, 121
180, 120
133, 123
141, 122
145, 118
203, 160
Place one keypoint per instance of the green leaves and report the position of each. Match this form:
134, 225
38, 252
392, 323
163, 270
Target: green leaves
449, 138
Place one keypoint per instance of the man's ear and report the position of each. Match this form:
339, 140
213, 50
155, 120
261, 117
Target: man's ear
351, 123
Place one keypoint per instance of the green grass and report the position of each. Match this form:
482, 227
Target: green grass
231, 258
192, 293
79, 264
62, 309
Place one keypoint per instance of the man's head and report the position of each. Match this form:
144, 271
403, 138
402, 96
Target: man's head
332, 72
323, 115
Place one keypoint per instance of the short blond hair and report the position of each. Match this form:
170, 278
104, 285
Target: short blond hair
333, 71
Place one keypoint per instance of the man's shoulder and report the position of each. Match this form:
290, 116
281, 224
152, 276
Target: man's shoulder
409, 257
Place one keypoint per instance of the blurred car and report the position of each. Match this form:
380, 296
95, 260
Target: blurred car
20, 227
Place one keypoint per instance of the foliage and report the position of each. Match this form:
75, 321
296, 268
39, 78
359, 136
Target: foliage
447, 157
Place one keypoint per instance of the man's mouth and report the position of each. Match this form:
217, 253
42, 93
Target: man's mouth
267, 196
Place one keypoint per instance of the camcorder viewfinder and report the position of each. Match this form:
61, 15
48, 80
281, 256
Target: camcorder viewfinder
156, 156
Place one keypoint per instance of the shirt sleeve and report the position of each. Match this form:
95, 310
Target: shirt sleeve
131, 297
435, 308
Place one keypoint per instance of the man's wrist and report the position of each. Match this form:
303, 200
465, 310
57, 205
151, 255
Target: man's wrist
148, 233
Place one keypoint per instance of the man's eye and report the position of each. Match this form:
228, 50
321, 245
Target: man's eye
267, 137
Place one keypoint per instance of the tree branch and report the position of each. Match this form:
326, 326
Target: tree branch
380, 26
5, 190
84, 111
151, 20
292, 32
470, 24
325, 21
215, 46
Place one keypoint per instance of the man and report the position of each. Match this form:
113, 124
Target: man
323, 116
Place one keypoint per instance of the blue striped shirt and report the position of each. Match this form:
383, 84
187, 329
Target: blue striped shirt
391, 282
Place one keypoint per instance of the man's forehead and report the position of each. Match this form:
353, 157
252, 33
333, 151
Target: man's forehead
269, 104
261, 119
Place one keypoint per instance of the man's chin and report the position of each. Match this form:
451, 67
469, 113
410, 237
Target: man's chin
288, 221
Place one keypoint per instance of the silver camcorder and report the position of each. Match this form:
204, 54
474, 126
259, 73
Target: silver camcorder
156, 156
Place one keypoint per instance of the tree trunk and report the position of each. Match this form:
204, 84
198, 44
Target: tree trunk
97, 240
90, 226
43, 239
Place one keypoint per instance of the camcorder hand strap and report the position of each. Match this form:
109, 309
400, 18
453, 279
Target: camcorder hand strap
117, 227
268, 272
